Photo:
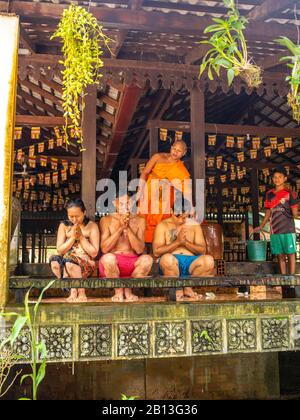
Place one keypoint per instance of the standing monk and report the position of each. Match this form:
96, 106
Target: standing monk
122, 242
167, 167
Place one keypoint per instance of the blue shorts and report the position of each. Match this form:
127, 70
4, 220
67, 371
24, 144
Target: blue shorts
184, 263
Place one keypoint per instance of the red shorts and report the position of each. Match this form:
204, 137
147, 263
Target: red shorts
126, 264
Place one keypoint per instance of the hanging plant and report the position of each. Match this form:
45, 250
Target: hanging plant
294, 79
82, 38
229, 49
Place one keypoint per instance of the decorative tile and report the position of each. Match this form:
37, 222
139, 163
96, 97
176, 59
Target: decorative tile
22, 346
59, 342
241, 334
206, 336
170, 338
95, 341
133, 340
296, 331
275, 333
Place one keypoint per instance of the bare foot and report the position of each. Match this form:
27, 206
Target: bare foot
130, 297
189, 292
73, 296
81, 298
179, 295
118, 297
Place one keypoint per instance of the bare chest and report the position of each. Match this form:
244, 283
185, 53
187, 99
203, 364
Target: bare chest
172, 232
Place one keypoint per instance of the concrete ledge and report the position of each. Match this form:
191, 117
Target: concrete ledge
137, 331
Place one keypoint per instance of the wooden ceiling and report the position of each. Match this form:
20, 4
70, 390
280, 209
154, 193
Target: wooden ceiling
152, 35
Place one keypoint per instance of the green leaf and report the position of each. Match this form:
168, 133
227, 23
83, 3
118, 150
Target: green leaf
36, 306
41, 373
230, 76
25, 377
223, 62
17, 328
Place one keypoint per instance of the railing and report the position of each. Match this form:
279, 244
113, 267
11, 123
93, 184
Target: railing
36, 247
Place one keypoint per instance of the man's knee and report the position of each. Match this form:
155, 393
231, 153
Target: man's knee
208, 262
168, 261
145, 262
108, 260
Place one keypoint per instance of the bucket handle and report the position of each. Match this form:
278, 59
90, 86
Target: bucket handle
252, 234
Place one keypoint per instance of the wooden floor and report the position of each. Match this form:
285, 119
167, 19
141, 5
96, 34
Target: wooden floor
218, 298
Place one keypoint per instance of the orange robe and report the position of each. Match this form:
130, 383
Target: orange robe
170, 172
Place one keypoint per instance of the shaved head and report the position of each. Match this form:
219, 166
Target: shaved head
181, 143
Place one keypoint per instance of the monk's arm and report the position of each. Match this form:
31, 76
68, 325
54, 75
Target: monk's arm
63, 244
146, 172
108, 241
137, 240
91, 245
159, 243
199, 245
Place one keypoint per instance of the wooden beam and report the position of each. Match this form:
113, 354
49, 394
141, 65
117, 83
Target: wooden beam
152, 112
26, 41
268, 8
29, 108
39, 121
107, 116
117, 46
109, 101
44, 93
144, 21
88, 174
198, 146
229, 129
137, 65
255, 198
135, 4
129, 101
196, 54
153, 142
39, 102
51, 83
271, 61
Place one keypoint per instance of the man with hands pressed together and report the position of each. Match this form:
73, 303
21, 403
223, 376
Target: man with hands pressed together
122, 243
181, 246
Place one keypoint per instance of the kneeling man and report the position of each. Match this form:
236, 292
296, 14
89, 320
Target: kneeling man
122, 242
181, 246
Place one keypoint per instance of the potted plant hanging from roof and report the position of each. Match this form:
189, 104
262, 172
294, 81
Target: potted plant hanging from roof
294, 78
82, 38
229, 49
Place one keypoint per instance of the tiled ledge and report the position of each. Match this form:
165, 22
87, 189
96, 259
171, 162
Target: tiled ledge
115, 331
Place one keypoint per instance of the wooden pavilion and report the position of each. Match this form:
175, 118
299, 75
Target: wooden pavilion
150, 82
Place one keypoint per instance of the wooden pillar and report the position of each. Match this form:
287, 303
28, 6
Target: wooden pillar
219, 199
247, 224
24, 247
88, 177
40, 247
153, 141
198, 147
255, 199
33, 248
9, 42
